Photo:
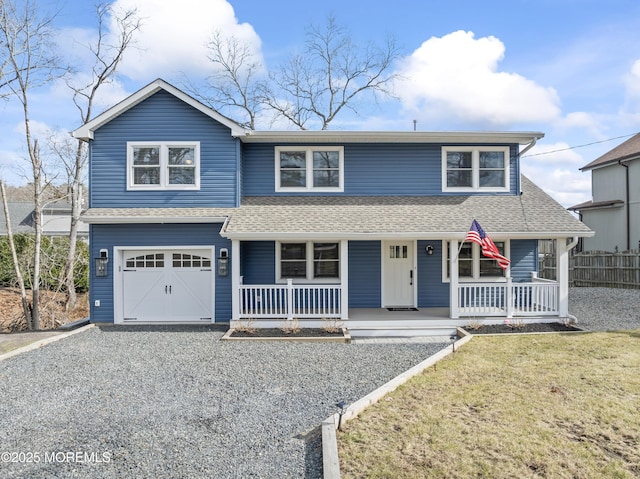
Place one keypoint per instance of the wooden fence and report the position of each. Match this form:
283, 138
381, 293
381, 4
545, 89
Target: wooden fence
597, 269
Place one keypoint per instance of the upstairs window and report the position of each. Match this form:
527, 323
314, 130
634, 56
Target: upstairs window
163, 165
315, 168
475, 169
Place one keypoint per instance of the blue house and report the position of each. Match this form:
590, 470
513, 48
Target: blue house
196, 219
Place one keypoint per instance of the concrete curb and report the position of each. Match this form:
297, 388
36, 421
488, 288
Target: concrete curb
43, 342
330, 459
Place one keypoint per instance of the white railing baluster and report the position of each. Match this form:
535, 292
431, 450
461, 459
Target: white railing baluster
506, 299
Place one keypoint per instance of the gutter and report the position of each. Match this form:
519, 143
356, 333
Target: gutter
627, 206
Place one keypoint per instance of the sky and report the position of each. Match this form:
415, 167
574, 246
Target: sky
567, 68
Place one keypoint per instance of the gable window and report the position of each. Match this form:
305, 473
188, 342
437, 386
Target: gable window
163, 165
317, 168
472, 264
308, 261
475, 168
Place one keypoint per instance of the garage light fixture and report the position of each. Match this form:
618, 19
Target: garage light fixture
101, 263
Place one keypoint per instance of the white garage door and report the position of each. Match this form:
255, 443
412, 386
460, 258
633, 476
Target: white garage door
167, 285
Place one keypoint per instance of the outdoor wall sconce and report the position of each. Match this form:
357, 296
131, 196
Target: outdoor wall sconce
101, 263
223, 262
429, 249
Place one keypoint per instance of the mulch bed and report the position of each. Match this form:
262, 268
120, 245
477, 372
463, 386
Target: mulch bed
279, 333
526, 328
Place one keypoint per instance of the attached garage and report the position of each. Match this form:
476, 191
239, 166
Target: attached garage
156, 285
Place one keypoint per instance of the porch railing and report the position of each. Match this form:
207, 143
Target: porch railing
537, 298
290, 301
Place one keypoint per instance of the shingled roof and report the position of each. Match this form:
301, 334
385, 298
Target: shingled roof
630, 149
534, 214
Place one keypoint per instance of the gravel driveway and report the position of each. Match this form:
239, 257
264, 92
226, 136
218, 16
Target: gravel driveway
175, 402
167, 402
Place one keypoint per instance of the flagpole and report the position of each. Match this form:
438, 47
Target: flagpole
460, 248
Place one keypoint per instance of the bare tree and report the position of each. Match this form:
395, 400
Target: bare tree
333, 73
25, 36
14, 256
235, 85
107, 52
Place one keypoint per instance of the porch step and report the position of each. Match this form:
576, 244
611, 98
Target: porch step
443, 332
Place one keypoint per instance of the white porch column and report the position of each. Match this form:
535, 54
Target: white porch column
562, 274
235, 280
344, 279
453, 280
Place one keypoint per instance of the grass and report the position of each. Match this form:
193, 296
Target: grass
544, 406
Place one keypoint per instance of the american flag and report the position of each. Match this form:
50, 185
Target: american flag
489, 249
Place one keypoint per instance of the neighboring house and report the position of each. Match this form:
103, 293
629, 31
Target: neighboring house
56, 219
614, 211
195, 219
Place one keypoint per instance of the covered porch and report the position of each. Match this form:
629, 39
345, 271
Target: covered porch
317, 306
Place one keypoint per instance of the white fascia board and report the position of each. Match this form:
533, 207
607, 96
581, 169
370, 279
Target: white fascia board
429, 236
110, 220
85, 132
326, 136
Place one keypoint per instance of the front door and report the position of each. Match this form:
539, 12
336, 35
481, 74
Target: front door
399, 275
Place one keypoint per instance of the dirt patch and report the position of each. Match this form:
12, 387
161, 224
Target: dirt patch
279, 333
522, 328
52, 313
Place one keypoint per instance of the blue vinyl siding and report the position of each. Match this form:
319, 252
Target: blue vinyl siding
524, 259
163, 117
365, 274
108, 236
432, 291
258, 263
370, 170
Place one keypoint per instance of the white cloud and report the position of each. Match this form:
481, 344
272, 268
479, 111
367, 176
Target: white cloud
583, 121
556, 170
632, 81
457, 76
173, 36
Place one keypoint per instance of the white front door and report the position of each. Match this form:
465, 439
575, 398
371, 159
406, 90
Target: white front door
398, 274
167, 285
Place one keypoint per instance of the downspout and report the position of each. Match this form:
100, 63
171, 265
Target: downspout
572, 319
526, 148
627, 204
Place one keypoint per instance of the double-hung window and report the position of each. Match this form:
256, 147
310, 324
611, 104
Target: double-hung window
163, 165
308, 261
475, 168
317, 168
472, 264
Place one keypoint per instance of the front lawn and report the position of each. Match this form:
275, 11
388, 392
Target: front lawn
556, 406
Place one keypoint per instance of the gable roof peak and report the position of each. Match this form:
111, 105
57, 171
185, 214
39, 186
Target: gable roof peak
85, 132
628, 150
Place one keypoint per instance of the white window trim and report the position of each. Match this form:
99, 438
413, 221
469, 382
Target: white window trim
164, 165
477, 254
476, 168
309, 169
309, 259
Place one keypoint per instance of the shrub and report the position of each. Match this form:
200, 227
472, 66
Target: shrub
52, 262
